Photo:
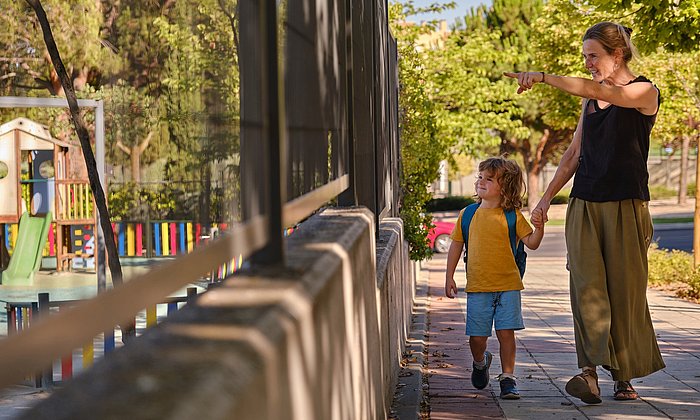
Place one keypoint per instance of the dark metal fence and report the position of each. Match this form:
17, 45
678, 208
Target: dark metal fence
318, 127
325, 113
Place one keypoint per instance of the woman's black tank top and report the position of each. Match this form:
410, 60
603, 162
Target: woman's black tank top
614, 151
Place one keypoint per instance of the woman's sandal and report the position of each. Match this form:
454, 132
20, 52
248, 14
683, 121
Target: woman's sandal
584, 386
624, 391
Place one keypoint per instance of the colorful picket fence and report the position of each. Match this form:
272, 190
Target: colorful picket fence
21, 315
162, 238
146, 240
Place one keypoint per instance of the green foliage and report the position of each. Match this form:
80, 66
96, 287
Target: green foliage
131, 122
672, 267
562, 197
26, 66
162, 201
657, 192
454, 202
465, 80
421, 148
131, 202
671, 24
678, 79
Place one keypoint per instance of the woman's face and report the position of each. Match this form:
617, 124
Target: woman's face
599, 62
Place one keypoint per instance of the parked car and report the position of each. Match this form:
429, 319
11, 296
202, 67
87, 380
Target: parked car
439, 237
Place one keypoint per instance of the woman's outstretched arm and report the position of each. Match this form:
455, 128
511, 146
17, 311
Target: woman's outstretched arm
643, 96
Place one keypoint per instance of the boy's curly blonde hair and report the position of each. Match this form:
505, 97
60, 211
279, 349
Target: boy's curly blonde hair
510, 178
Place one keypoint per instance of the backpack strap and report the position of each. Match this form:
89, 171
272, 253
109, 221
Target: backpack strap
517, 246
467, 216
511, 219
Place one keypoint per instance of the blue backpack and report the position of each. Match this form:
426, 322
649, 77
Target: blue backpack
518, 250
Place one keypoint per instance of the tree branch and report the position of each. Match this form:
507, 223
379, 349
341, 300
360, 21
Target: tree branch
144, 144
123, 148
232, 21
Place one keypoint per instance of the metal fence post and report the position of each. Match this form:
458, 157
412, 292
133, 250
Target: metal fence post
46, 376
191, 293
273, 251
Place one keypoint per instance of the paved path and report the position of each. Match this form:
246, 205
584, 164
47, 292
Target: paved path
546, 356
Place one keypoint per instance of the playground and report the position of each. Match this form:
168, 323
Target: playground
48, 258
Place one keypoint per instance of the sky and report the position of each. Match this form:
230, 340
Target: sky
450, 15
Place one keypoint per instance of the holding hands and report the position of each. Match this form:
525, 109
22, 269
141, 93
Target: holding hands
526, 80
537, 218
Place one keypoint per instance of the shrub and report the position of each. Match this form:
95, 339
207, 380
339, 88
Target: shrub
691, 189
666, 267
455, 202
562, 197
660, 191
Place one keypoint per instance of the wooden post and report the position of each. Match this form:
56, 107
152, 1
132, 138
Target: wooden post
696, 220
683, 184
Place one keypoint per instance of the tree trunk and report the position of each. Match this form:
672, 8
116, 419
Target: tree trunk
135, 165
533, 188
80, 128
683, 184
135, 153
696, 219
205, 197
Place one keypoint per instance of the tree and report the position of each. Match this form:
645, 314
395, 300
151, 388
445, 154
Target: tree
673, 25
131, 121
421, 148
201, 99
480, 111
26, 63
97, 191
678, 121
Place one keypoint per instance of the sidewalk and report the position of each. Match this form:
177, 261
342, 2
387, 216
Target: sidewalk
546, 357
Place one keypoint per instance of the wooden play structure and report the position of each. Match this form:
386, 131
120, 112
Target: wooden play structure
44, 176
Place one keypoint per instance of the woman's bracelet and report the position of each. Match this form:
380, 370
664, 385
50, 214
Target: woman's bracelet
542, 76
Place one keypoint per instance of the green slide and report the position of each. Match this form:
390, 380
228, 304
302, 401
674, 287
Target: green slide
26, 257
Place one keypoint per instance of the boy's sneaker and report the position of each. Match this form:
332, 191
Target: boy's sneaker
508, 389
480, 376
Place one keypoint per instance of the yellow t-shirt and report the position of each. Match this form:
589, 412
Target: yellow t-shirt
490, 264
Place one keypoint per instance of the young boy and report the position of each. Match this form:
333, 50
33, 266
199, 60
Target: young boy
493, 277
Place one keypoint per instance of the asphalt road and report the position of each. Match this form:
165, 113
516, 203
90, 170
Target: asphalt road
675, 238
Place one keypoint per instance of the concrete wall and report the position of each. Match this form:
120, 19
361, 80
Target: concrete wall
318, 339
667, 171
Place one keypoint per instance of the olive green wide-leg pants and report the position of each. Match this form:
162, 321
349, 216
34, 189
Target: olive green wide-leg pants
607, 244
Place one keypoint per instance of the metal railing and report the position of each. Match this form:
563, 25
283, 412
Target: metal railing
318, 125
22, 315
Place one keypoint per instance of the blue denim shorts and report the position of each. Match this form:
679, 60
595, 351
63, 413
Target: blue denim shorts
486, 310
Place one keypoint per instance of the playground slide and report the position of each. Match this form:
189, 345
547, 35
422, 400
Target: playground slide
26, 257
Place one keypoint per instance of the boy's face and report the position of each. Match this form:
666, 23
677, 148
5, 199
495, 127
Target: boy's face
487, 186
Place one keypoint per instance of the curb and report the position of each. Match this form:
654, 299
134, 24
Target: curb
673, 226
409, 397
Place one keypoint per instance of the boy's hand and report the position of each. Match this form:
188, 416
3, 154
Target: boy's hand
450, 288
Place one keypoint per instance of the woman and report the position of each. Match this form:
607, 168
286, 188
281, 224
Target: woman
608, 226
